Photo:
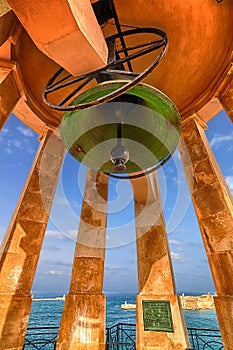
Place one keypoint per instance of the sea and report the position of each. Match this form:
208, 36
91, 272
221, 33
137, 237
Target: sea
48, 314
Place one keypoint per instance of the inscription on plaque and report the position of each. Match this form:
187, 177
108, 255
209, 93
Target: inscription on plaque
157, 316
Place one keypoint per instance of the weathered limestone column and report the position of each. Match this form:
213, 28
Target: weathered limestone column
83, 319
213, 205
22, 244
155, 328
9, 94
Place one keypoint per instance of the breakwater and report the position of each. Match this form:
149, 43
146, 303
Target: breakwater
49, 299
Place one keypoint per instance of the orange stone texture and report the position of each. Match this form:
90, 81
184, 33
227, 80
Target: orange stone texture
23, 240
226, 97
80, 35
155, 273
9, 94
36, 38
83, 319
214, 208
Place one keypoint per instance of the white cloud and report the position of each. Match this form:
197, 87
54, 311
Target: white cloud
56, 263
198, 275
112, 268
15, 143
4, 132
71, 234
229, 181
175, 242
177, 257
180, 249
61, 200
175, 179
55, 272
218, 140
180, 179
12, 145
25, 131
75, 204
8, 150
176, 154
54, 234
169, 170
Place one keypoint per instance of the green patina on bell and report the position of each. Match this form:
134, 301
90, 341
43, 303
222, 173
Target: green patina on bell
134, 132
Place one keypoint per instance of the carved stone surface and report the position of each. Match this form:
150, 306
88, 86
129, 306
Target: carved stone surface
155, 274
83, 319
9, 94
214, 209
83, 323
15, 310
23, 240
224, 309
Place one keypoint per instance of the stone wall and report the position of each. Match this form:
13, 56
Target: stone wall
201, 302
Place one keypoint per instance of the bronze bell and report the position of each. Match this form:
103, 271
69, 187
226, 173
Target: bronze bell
130, 134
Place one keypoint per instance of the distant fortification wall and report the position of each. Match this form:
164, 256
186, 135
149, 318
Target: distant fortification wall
201, 302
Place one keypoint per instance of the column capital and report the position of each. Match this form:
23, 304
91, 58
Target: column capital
45, 131
196, 118
223, 87
9, 92
12, 66
225, 93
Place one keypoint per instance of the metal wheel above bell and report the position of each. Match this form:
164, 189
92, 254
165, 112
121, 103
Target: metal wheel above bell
131, 134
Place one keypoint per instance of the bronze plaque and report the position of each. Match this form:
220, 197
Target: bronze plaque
157, 316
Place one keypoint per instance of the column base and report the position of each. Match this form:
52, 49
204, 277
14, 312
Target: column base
151, 333
14, 311
83, 323
224, 311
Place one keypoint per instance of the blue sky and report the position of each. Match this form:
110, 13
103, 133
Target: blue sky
18, 146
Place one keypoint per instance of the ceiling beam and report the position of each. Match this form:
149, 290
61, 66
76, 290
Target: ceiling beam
66, 31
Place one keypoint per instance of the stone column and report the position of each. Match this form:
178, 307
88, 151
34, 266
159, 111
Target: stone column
22, 244
226, 97
83, 320
9, 94
155, 275
213, 205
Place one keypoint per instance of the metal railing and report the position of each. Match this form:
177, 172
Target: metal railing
203, 339
121, 336
41, 338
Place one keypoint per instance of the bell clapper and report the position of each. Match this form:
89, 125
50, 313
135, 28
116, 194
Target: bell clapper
119, 155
